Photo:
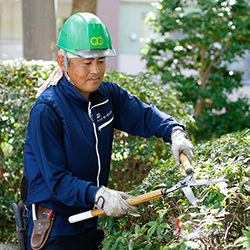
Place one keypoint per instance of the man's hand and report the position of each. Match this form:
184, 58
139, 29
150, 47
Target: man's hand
112, 202
181, 144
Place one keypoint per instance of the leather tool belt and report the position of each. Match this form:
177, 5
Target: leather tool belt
42, 225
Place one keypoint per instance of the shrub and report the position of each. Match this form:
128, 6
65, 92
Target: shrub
18, 82
132, 156
222, 219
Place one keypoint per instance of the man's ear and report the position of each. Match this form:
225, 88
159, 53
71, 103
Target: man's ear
60, 61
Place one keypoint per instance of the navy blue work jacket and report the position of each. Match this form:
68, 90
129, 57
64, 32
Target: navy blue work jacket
69, 142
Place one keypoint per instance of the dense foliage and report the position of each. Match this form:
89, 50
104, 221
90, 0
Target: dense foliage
222, 220
18, 84
196, 43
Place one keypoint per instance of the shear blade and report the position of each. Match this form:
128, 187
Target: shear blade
205, 182
190, 195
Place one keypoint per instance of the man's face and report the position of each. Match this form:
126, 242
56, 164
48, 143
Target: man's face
86, 74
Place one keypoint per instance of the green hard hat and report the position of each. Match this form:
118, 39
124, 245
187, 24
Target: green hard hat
85, 35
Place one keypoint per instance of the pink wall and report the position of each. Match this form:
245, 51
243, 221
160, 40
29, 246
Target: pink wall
108, 11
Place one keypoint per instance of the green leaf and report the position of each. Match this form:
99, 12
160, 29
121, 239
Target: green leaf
131, 245
152, 223
151, 231
158, 231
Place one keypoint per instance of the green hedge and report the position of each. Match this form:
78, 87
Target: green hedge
132, 157
222, 220
18, 82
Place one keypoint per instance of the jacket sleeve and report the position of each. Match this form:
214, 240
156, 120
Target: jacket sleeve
137, 118
46, 142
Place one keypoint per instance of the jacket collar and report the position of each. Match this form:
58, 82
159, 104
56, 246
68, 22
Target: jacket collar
96, 98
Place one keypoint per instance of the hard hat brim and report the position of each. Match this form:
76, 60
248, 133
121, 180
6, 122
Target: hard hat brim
94, 53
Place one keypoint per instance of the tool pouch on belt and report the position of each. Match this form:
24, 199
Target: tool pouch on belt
41, 227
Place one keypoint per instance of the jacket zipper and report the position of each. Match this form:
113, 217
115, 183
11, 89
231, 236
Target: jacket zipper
96, 138
96, 144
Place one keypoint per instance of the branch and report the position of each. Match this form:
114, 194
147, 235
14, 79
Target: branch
202, 61
1, 151
227, 230
208, 70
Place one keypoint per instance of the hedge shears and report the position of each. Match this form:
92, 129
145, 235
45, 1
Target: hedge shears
185, 185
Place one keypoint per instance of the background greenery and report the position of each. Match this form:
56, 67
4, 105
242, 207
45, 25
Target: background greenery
223, 217
18, 81
196, 43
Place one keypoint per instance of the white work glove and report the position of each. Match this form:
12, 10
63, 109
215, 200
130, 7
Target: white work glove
181, 144
112, 202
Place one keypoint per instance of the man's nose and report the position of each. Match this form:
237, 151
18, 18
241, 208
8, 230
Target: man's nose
95, 67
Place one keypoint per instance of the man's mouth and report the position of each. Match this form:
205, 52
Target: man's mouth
94, 79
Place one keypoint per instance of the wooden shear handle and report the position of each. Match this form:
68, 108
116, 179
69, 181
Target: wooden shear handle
186, 164
135, 200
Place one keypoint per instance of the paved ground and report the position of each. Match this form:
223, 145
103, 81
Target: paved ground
8, 247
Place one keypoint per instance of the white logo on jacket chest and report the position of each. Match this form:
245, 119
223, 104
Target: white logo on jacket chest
100, 118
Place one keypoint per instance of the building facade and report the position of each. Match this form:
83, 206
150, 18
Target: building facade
124, 19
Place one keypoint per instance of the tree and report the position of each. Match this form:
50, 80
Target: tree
84, 6
39, 29
198, 41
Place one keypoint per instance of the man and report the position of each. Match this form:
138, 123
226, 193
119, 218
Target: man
69, 140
